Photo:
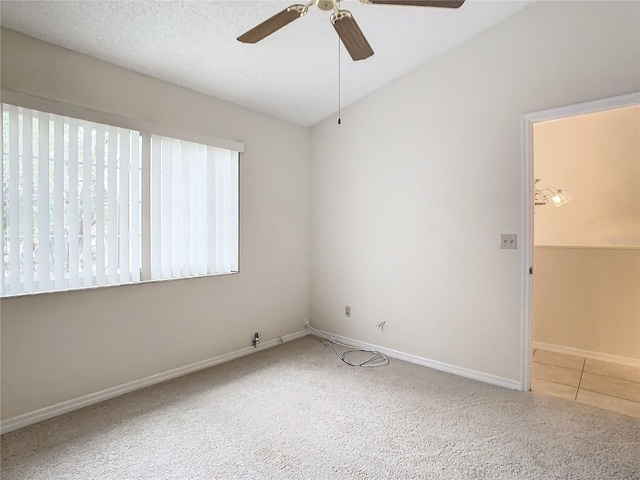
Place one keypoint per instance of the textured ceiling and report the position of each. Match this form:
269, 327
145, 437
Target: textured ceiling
292, 74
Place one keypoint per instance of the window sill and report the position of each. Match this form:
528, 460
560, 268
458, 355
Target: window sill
115, 285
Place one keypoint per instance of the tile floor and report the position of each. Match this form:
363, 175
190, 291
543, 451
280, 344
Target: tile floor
601, 384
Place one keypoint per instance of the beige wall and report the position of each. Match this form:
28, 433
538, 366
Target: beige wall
588, 299
411, 192
60, 346
587, 255
595, 157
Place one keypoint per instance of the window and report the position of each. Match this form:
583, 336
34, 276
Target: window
194, 209
75, 213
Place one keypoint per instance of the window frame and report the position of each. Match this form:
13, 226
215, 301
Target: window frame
146, 129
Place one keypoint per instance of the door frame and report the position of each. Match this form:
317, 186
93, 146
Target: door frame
527, 122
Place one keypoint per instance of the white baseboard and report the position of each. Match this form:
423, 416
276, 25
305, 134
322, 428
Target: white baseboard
46, 413
444, 367
605, 357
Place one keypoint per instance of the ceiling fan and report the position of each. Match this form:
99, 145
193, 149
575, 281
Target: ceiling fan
342, 20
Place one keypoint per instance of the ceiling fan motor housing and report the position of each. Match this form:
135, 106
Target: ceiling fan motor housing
325, 4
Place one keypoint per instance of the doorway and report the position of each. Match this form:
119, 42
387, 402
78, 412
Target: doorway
582, 256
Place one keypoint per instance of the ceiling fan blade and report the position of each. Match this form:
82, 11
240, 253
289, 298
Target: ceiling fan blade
351, 35
272, 24
420, 3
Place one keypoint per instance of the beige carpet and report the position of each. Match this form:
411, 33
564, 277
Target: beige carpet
296, 412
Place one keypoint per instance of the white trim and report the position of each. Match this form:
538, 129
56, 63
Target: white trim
75, 111
526, 317
605, 357
584, 247
425, 362
527, 253
111, 285
603, 104
74, 404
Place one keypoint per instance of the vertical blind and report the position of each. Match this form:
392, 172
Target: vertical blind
194, 209
67, 217
71, 203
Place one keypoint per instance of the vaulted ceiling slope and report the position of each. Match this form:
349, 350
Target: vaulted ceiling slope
292, 74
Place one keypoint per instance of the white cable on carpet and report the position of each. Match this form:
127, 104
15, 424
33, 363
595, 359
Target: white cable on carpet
377, 359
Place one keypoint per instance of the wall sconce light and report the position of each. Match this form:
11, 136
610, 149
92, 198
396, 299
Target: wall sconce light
542, 196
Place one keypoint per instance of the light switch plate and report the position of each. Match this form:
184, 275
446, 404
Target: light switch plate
508, 241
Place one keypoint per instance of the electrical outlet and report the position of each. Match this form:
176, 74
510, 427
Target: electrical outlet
347, 311
508, 241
